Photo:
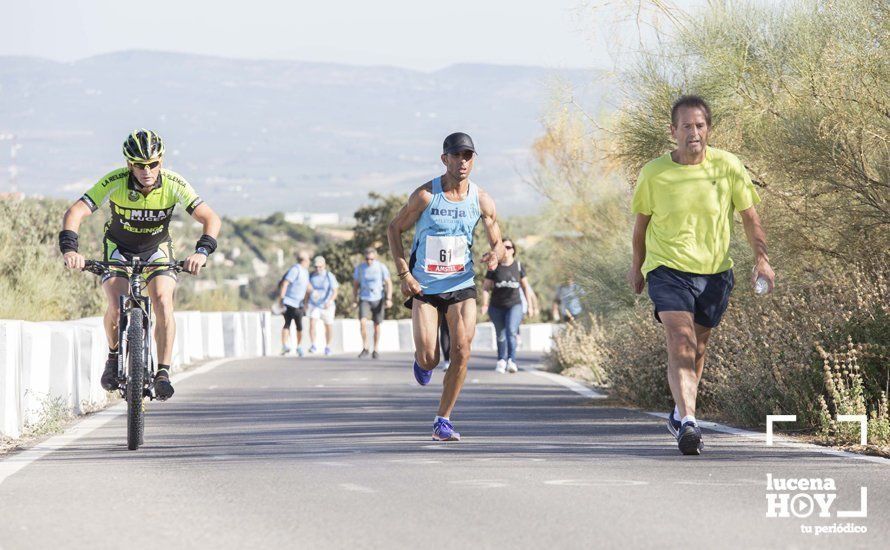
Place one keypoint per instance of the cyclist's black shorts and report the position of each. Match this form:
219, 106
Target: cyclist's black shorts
114, 251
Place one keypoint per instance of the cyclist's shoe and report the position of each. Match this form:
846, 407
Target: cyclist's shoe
501, 366
327, 351
375, 355
300, 351
422, 376
363, 354
163, 387
444, 431
511, 366
689, 441
109, 379
673, 425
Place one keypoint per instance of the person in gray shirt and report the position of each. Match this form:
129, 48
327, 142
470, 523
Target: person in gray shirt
567, 302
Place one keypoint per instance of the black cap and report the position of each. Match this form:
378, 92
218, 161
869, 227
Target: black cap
457, 142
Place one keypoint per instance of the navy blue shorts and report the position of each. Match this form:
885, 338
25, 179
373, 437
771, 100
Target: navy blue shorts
705, 296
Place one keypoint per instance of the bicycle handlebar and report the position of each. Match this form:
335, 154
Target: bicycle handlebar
98, 267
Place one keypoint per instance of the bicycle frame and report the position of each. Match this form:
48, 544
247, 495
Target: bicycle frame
127, 305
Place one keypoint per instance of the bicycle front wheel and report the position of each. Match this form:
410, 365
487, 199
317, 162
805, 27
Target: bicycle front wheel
135, 378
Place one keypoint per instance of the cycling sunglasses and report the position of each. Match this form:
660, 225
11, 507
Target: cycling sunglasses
144, 165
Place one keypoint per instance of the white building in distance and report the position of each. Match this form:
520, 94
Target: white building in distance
313, 219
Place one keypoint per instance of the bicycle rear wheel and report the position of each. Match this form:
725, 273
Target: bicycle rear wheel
135, 378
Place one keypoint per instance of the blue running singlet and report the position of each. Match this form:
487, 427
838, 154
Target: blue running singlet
441, 256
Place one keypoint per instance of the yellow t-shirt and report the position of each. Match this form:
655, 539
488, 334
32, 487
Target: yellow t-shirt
692, 208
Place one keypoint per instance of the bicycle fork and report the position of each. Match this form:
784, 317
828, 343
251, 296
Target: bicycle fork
127, 305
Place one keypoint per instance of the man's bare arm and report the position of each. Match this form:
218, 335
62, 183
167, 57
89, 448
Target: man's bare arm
757, 239
211, 224
635, 276
74, 216
490, 221
208, 219
754, 232
404, 220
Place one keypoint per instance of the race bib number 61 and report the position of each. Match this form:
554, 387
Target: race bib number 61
446, 254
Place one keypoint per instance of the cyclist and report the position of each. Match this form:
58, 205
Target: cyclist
142, 197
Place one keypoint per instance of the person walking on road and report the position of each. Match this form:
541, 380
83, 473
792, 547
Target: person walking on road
438, 276
567, 301
292, 293
684, 203
370, 282
502, 292
322, 296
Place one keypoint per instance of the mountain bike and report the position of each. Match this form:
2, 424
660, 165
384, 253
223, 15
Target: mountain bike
135, 365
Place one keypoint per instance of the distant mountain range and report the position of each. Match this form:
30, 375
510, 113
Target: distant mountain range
260, 136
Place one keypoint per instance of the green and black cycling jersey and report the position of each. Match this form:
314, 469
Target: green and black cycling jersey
140, 222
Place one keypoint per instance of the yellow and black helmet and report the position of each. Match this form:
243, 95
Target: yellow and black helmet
143, 146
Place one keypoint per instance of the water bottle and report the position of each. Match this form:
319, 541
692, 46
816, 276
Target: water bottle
761, 285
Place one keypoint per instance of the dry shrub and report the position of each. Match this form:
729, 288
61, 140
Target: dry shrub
579, 351
637, 365
767, 357
34, 284
845, 394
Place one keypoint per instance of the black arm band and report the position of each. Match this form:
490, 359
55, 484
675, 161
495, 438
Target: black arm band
67, 241
207, 242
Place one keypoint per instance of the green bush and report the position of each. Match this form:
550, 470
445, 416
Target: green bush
34, 284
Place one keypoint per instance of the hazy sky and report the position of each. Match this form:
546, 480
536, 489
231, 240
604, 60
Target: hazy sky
410, 33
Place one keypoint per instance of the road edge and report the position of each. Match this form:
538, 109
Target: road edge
16, 461
783, 441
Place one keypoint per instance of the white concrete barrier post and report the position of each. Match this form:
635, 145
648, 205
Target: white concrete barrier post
92, 351
35, 360
406, 335
347, 336
253, 333
181, 351
233, 334
485, 338
10, 378
213, 334
536, 337
196, 335
63, 364
389, 336
268, 341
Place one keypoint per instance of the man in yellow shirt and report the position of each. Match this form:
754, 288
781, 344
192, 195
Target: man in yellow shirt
684, 203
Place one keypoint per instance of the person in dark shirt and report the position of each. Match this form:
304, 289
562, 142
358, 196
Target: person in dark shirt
502, 293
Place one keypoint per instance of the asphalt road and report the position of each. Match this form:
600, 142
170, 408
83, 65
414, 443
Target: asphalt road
336, 453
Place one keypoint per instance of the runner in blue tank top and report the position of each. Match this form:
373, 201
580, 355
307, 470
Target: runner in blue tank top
438, 277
